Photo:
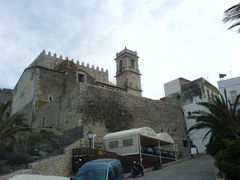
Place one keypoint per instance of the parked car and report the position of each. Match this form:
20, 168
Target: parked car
100, 169
37, 177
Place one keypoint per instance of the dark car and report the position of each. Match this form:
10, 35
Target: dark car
100, 169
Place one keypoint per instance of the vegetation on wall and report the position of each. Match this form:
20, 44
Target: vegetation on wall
105, 110
10, 125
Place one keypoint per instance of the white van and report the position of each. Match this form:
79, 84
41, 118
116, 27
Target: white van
37, 177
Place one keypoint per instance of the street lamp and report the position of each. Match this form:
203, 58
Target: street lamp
90, 138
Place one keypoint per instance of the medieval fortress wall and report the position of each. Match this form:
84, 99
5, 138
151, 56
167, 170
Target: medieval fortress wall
110, 111
50, 94
52, 61
5, 95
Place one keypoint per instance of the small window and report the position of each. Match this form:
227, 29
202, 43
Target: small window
233, 96
43, 122
132, 63
50, 98
178, 96
189, 113
113, 144
127, 142
208, 94
212, 95
120, 64
80, 78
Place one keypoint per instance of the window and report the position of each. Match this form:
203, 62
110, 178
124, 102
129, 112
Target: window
208, 94
127, 142
43, 122
50, 98
132, 63
233, 96
120, 66
178, 96
189, 113
113, 144
80, 78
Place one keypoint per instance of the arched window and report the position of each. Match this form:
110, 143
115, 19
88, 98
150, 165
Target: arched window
120, 66
132, 63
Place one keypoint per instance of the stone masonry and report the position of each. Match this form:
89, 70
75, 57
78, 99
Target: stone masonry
5, 95
62, 95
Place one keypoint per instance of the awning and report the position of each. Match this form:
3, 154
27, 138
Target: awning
144, 131
166, 138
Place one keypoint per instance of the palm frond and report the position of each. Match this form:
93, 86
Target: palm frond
232, 14
206, 135
10, 125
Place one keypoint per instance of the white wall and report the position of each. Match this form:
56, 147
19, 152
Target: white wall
196, 136
172, 87
232, 84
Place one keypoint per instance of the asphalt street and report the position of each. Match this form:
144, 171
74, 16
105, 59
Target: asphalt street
198, 168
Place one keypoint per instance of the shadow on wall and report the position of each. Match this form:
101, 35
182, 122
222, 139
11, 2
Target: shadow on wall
98, 108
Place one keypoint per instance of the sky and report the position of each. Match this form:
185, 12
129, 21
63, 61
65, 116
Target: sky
173, 38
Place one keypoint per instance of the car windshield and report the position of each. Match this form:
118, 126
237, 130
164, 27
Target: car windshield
92, 174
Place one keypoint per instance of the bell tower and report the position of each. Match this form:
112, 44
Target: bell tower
128, 75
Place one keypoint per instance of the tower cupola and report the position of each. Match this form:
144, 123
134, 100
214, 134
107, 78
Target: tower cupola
128, 75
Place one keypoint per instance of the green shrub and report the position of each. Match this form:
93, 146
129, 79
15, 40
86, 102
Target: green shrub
214, 146
228, 159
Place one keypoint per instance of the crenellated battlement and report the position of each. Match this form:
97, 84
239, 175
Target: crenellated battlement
77, 62
5, 95
5, 90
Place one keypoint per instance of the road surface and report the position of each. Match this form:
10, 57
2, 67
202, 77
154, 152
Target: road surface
198, 168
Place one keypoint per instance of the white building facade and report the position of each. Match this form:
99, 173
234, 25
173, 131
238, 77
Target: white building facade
232, 88
187, 94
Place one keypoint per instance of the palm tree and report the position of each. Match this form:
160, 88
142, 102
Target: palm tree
222, 119
10, 125
233, 14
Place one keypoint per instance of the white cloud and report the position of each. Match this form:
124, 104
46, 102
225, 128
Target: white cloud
173, 38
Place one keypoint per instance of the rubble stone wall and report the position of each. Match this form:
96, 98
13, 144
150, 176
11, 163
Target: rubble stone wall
111, 111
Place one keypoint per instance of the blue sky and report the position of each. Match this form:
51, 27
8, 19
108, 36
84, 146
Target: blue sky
173, 38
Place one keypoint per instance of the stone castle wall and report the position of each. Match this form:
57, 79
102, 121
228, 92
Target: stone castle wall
51, 61
5, 95
24, 90
92, 105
